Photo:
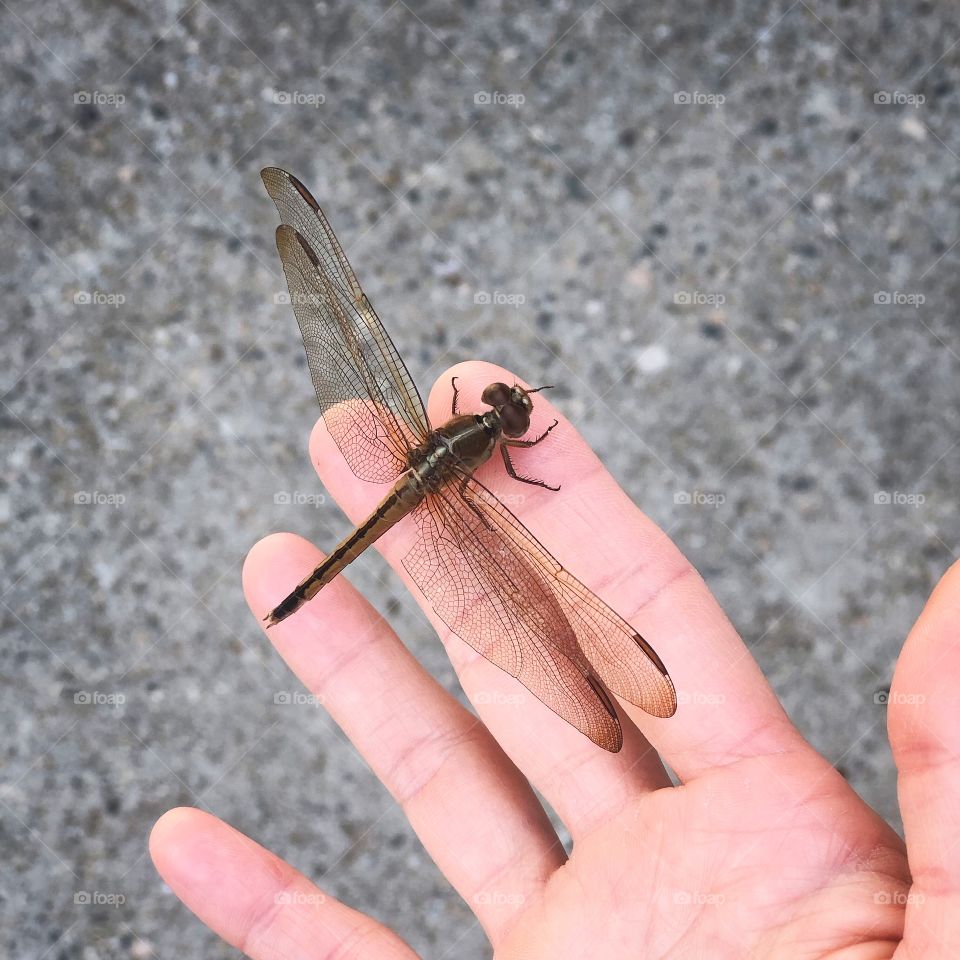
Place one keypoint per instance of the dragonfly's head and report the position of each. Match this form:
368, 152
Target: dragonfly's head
513, 404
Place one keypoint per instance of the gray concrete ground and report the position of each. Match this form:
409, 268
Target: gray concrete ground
733, 229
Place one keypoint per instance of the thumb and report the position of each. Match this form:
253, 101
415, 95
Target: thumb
922, 719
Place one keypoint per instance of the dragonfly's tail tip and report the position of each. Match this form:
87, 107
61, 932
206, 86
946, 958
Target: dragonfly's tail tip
282, 611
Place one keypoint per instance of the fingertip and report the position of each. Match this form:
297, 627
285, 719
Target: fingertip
170, 842
261, 553
923, 694
273, 567
936, 628
471, 371
922, 725
224, 877
262, 556
472, 376
948, 587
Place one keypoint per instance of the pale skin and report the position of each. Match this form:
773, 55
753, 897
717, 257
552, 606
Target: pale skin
763, 851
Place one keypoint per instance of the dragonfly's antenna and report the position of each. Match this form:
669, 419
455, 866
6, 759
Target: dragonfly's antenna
548, 386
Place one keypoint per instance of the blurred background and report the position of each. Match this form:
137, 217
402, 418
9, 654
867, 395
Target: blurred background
728, 232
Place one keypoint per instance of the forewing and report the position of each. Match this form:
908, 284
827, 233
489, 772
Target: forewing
486, 591
353, 389
395, 387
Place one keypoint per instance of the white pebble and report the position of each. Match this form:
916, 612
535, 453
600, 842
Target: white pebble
652, 359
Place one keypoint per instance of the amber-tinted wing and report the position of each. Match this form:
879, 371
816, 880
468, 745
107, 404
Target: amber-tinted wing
369, 401
498, 589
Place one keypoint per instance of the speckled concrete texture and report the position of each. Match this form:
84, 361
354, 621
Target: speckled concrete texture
726, 230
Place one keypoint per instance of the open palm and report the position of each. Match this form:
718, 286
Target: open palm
762, 851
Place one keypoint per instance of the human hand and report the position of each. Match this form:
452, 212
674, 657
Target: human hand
762, 851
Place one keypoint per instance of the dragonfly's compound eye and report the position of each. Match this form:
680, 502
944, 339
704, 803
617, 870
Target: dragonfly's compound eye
521, 398
496, 394
515, 419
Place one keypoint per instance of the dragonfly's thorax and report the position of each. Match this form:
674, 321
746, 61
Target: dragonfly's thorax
462, 443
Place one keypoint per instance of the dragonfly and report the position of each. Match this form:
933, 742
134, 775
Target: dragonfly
485, 575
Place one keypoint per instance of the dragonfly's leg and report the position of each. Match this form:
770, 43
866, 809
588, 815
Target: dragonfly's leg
465, 493
508, 463
529, 443
456, 394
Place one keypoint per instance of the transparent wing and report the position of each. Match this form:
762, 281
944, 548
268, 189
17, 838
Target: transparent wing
368, 399
483, 587
626, 663
497, 588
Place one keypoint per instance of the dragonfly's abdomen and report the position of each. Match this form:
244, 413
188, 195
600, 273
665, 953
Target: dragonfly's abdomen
462, 443
401, 500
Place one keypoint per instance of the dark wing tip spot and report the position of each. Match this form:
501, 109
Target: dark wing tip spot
650, 653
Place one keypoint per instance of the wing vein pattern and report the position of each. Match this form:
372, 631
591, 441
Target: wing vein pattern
368, 400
